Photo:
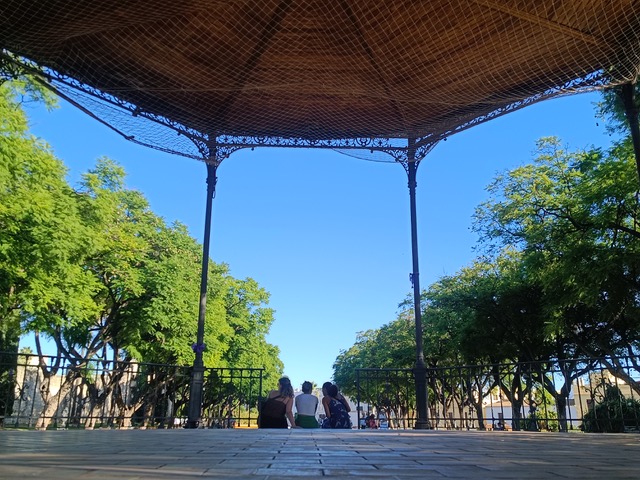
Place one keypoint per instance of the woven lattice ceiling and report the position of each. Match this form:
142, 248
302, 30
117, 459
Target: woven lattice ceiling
314, 70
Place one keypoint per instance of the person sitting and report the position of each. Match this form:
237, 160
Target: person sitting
371, 421
340, 397
336, 408
306, 406
278, 407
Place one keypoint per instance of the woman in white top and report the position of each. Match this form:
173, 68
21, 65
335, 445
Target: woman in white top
306, 405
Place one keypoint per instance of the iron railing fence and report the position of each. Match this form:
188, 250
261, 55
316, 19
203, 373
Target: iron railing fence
592, 395
46, 392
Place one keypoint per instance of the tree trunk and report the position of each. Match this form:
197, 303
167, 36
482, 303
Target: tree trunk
53, 403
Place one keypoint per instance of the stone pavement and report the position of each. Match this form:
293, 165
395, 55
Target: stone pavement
271, 454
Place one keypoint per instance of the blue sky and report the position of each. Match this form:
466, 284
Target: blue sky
327, 234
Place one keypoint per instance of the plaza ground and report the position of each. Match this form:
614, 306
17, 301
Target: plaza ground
271, 454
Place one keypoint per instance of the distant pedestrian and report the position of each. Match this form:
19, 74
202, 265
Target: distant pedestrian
533, 418
371, 421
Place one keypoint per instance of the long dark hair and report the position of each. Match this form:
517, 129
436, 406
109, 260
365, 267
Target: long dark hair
332, 391
286, 390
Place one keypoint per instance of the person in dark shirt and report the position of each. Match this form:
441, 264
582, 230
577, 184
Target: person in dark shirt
336, 408
277, 409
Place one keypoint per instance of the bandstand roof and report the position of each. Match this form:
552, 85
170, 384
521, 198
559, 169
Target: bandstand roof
303, 72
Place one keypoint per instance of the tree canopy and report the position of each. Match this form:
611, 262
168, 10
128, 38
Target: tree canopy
95, 271
557, 276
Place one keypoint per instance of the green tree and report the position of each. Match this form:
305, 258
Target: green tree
36, 218
40, 231
613, 111
249, 318
148, 276
500, 320
363, 354
574, 218
620, 107
613, 413
98, 273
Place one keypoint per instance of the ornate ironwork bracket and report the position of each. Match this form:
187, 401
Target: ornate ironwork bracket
416, 151
212, 148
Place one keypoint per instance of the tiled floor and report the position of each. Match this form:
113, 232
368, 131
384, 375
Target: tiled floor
271, 454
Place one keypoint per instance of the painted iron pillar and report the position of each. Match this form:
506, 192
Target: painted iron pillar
197, 372
419, 370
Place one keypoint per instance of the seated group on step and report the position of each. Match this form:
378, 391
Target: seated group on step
277, 410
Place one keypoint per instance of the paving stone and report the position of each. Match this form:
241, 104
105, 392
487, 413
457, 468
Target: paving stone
263, 455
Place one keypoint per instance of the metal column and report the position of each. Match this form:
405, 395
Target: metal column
197, 373
419, 370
